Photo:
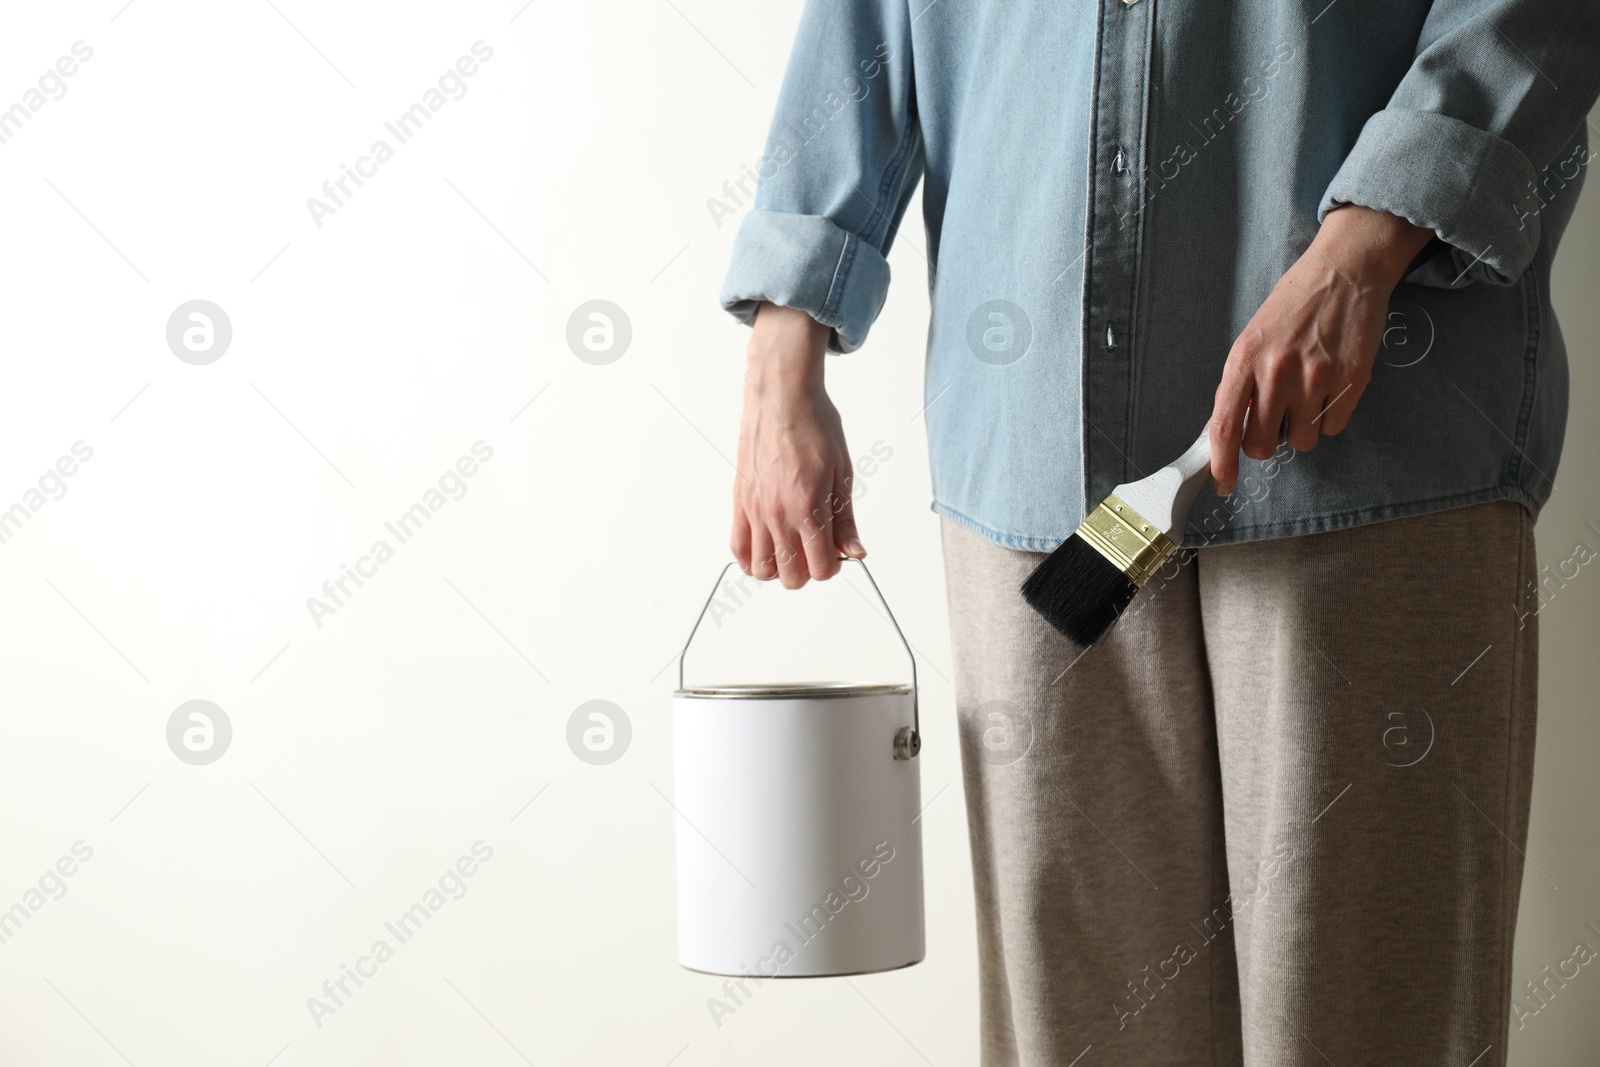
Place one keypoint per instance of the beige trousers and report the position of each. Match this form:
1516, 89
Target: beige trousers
1275, 816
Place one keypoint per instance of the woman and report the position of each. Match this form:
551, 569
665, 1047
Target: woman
1275, 816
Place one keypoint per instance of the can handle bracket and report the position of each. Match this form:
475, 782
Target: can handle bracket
907, 739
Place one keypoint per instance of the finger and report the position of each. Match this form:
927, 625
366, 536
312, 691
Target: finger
821, 556
1338, 409
845, 537
1305, 425
762, 565
790, 556
1264, 429
739, 539
1227, 427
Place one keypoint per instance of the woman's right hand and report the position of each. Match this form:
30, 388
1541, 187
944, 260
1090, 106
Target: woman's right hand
792, 516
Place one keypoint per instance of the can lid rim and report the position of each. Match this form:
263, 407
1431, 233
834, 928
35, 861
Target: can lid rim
808, 690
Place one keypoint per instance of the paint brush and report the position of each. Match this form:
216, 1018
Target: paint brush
1085, 584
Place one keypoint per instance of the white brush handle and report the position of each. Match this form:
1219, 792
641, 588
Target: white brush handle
1165, 497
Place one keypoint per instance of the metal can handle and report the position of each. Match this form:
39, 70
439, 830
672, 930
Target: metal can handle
908, 739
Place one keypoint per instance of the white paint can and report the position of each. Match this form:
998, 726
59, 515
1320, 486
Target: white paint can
799, 850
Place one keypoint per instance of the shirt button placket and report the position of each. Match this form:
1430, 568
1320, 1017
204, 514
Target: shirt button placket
1113, 243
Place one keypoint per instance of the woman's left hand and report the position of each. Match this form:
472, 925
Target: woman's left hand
1308, 351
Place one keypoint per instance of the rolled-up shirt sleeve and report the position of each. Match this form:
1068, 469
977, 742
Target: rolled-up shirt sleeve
1480, 132
842, 158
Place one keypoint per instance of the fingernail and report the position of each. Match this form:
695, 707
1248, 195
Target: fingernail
854, 549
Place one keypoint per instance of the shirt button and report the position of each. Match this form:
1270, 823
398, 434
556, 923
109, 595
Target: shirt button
1129, 3
1111, 338
1119, 162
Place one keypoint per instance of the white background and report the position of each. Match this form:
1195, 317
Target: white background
370, 752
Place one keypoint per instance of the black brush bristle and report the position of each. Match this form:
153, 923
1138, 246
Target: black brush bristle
1079, 591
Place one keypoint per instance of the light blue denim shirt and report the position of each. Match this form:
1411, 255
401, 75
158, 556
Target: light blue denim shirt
1110, 191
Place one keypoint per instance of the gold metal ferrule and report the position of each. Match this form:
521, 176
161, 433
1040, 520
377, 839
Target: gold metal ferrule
1120, 534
